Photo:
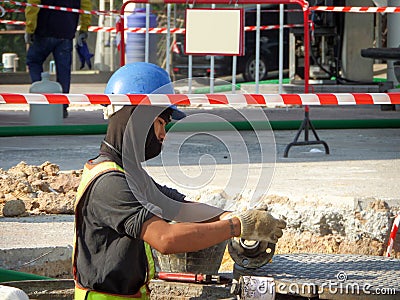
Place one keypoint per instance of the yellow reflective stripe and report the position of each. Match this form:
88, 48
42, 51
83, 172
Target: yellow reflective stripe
90, 173
150, 261
144, 292
80, 294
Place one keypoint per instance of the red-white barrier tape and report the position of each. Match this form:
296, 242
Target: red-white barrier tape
354, 9
393, 233
205, 99
12, 22
159, 30
15, 10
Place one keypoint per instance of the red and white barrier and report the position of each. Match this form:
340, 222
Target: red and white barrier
205, 99
354, 9
393, 233
12, 22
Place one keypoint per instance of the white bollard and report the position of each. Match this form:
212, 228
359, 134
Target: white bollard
46, 114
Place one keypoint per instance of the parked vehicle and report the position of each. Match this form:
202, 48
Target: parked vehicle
246, 64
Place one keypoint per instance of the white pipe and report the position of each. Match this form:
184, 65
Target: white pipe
234, 64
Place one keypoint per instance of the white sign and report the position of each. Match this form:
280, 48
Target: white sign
214, 31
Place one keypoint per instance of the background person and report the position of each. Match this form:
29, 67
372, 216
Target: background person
120, 211
52, 31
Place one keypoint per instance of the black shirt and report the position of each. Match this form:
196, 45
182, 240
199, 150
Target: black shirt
111, 256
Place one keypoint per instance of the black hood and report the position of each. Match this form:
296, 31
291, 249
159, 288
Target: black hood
130, 131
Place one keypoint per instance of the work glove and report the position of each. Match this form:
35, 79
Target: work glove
82, 36
259, 225
28, 38
84, 55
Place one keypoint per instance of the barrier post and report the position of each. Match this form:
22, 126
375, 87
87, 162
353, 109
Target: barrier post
306, 124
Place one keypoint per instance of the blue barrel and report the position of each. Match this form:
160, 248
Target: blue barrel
135, 42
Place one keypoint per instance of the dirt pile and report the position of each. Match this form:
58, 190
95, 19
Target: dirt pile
30, 190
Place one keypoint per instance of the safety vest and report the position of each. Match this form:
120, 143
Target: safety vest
90, 173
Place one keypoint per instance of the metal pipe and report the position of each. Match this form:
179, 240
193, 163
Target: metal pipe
147, 36
168, 42
306, 48
281, 17
190, 71
212, 66
257, 71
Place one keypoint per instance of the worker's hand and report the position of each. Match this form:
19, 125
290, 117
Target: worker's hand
28, 38
82, 36
259, 225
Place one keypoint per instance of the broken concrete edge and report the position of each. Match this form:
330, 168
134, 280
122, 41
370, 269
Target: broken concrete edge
48, 262
370, 218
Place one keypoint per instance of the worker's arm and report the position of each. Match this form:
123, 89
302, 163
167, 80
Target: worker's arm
170, 238
85, 19
253, 224
31, 14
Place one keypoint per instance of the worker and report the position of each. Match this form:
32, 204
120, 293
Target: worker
121, 212
52, 31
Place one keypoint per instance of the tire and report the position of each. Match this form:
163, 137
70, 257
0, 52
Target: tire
249, 73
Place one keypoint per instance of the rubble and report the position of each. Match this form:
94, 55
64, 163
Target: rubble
33, 190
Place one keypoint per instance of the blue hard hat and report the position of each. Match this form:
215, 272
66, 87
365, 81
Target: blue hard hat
142, 78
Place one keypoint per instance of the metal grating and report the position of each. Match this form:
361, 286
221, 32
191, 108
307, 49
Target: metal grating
332, 276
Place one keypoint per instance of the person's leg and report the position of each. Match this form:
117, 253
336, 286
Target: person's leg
63, 59
37, 54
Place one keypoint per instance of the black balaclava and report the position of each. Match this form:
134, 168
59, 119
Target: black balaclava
113, 142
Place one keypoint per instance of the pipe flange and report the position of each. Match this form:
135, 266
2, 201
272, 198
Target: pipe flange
250, 254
